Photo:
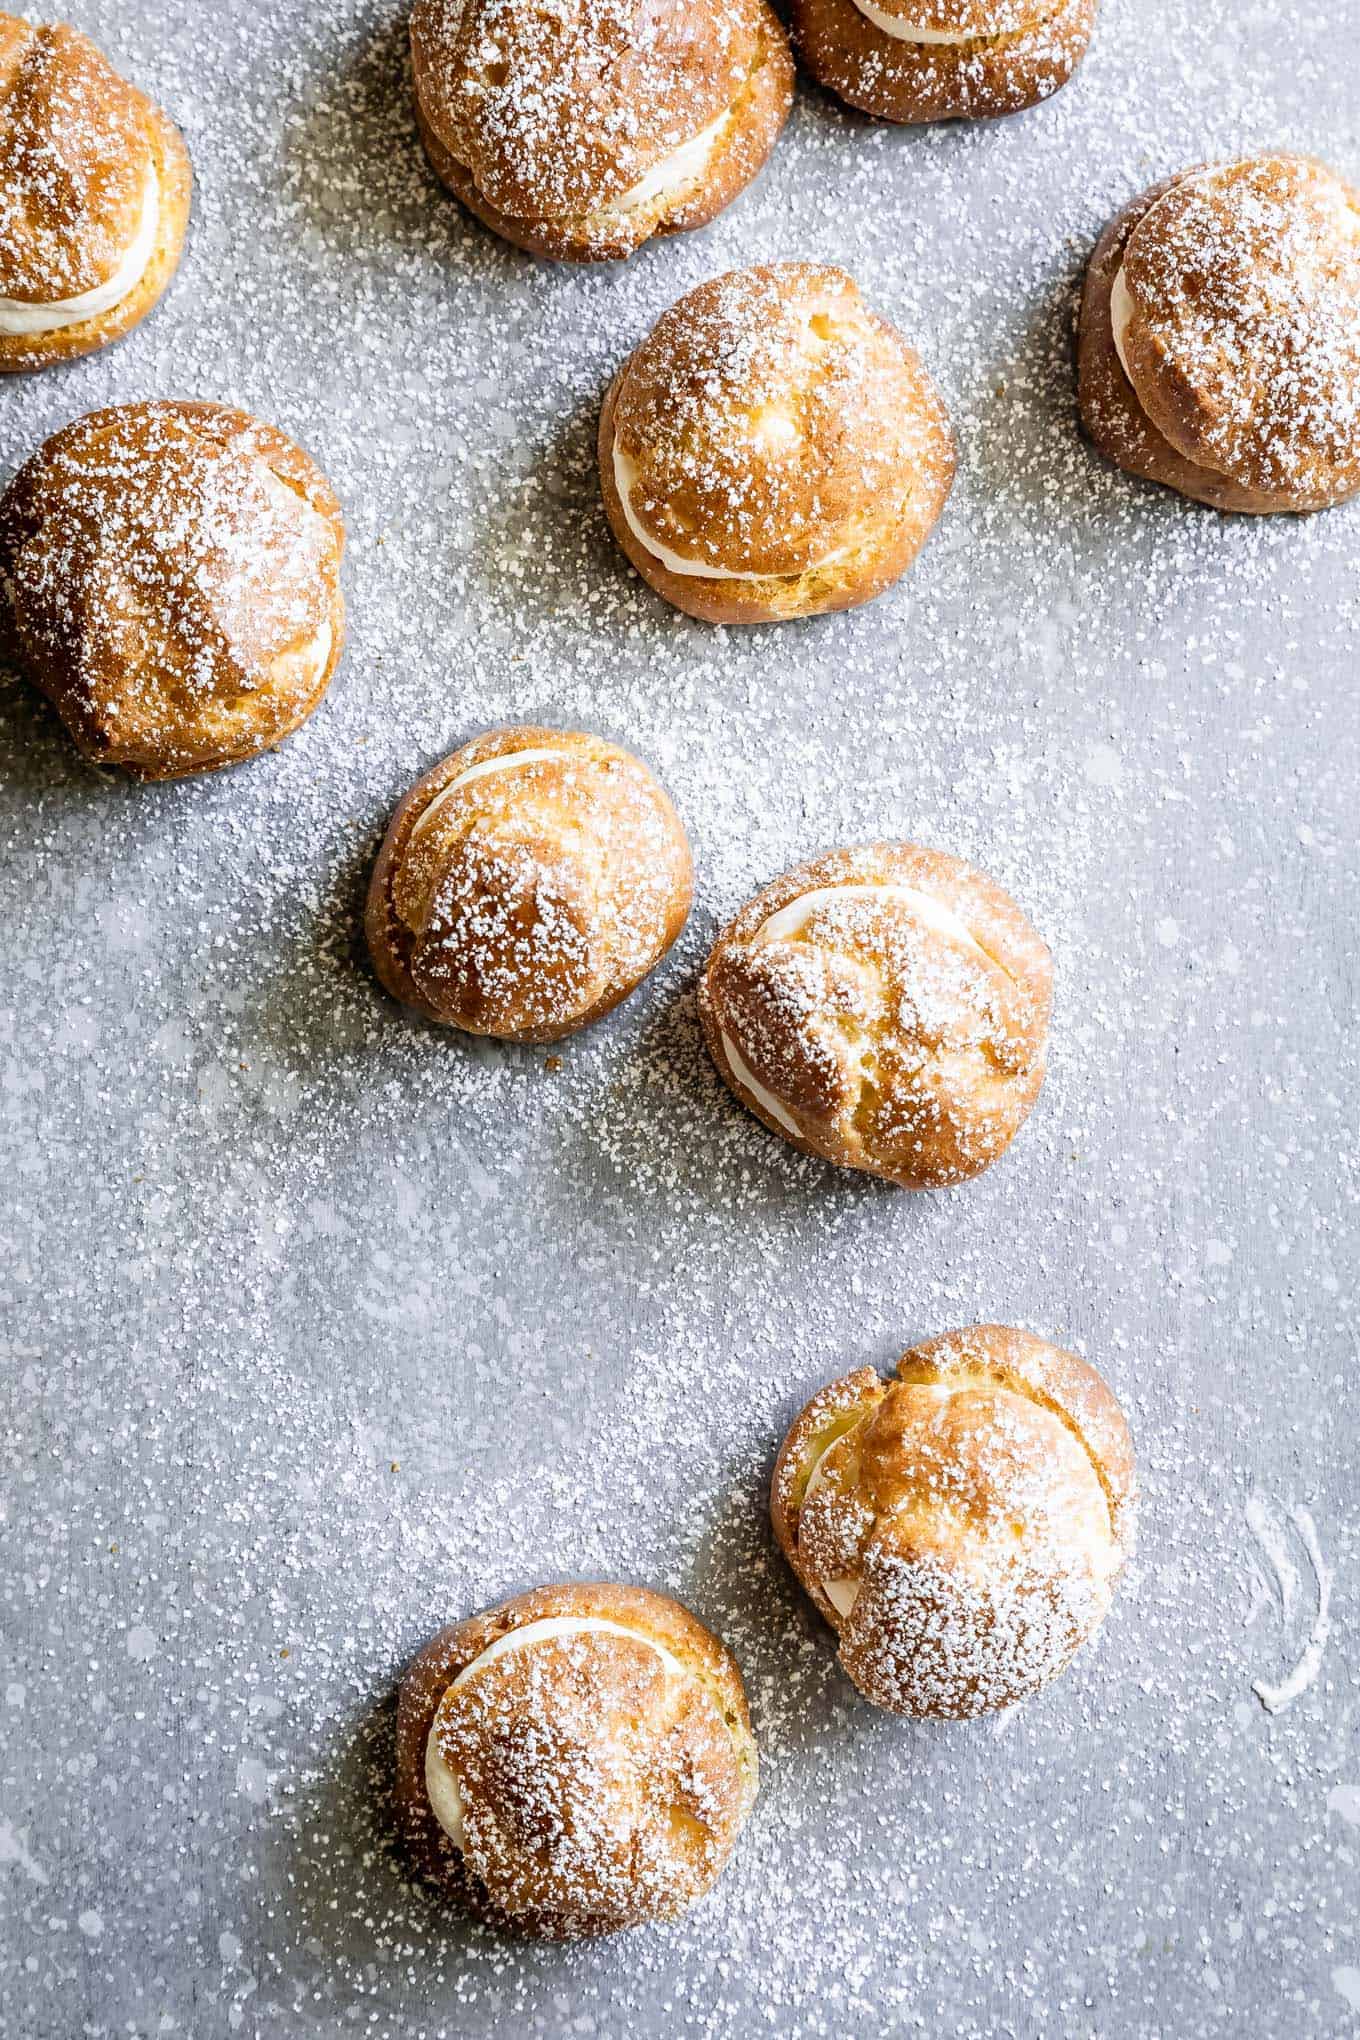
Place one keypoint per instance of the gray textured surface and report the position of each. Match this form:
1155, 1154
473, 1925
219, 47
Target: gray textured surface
318, 1328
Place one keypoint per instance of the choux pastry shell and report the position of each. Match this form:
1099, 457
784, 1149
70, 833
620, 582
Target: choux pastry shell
886, 1008
95, 190
576, 1761
962, 1525
527, 884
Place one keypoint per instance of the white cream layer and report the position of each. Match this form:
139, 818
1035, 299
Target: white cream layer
441, 1783
842, 1594
906, 31
676, 174
503, 763
792, 919
1121, 317
20, 316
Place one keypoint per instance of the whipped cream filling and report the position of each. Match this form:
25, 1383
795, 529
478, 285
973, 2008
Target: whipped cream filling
503, 763
625, 481
22, 316
675, 175
792, 919
441, 1781
1121, 317
765, 1099
906, 31
842, 1594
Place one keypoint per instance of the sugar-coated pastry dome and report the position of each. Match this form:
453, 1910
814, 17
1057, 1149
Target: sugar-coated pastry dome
962, 1525
579, 131
774, 448
527, 884
886, 1008
172, 575
95, 189
1220, 336
576, 1761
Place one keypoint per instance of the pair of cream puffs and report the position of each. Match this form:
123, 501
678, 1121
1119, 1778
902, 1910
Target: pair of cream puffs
581, 1760
774, 449
885, 1008
169, 572
579, 132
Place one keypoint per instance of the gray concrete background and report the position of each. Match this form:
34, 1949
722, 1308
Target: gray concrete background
319, 1328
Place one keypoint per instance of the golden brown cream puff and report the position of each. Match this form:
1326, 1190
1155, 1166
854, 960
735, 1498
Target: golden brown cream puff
922, 60
1219, 344
579, 131
576, 1761
527, 884
170, 579
95, 188
962, 1526
773, 449
886, 1008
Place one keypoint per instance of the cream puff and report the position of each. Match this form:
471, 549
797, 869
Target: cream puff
886, 1008
95, 188
170, 579
922, 60
576, 1761
773, 449
1219, 342
962, 1526
580, 131
527, 884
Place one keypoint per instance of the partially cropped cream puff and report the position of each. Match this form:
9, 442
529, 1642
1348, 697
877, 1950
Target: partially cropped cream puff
1219, 345
774, 448
576, 1761
170, 579
95, 189
580, 132
885, 1008
926, 60
527, 884
962, 1525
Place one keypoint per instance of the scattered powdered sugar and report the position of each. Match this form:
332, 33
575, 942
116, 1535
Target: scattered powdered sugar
321, 1327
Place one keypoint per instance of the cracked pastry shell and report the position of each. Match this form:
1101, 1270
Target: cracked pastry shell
79, 150
886, 1008
170, 579
527, 884
962, 1525
1219, 336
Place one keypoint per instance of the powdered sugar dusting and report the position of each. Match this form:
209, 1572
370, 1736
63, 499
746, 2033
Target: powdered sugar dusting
322, 1327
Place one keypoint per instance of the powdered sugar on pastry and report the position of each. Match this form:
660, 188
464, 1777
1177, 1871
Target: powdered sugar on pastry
49, 315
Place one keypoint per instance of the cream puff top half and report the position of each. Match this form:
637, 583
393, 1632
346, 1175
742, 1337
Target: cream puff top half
1236, 317
963, 1525
579, 115
771, 425
173, 576
79, 199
